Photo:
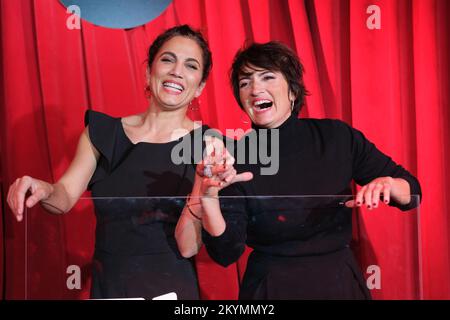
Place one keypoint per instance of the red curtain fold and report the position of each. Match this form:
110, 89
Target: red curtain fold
392, 83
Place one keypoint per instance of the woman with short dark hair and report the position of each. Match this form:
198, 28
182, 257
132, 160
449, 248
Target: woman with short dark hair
297, 253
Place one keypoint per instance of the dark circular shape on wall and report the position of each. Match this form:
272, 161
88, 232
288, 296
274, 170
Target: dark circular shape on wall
118, 14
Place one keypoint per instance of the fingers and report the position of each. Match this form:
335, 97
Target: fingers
214, 148
227, 171
221, 172
386, 193
9, 198
210, 186
210, 182
360, 196
229, 159
16, 195
376, 194
21, 191
368, 196
216, 170
242, 177
371, 194
37, 196
350, 204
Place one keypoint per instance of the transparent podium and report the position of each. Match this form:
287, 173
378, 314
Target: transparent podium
59, 252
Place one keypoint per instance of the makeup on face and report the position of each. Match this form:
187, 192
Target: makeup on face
175, 75
265, 96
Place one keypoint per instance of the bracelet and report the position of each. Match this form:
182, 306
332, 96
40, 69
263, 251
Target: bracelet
50, 205
192, 213
188, 197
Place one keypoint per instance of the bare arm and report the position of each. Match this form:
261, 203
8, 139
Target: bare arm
189, 226
61, 196
203, 208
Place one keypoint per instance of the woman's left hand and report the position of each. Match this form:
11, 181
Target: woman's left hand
371, 194
382, 188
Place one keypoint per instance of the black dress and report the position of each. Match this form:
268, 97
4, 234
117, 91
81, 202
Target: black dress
301, 246
136, 255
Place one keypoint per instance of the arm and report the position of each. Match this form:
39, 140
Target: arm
225, 226
397, 189
202, 208
189, 226
188, 229
380, 176
61, 196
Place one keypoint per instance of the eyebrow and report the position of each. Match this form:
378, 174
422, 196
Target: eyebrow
193, 60
245, 75
175, 57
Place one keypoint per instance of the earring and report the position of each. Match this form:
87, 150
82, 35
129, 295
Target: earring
147, 91
193, 107
292, 105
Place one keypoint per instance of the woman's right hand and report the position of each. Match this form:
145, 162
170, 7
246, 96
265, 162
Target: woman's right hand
40, 190
221, 169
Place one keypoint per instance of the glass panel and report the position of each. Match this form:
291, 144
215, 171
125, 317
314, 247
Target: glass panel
135, 235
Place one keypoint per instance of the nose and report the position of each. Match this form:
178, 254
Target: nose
177, 70
255, 88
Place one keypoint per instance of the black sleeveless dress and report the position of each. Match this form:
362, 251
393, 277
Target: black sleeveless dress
136, 254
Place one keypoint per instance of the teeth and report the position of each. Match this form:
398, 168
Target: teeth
259, 102
173, 85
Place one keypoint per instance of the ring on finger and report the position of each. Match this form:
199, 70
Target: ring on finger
207, 171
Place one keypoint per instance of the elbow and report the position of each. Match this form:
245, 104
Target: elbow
226, 258
188, 252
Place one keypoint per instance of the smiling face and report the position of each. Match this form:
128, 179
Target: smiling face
265, 96
176, 72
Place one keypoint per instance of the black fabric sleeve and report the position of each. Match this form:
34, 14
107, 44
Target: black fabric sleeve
229, 246
102, 133
370, 163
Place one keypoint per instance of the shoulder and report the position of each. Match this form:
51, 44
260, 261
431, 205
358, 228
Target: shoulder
101, 130
93, 118
133, 120
326, 128
324, 124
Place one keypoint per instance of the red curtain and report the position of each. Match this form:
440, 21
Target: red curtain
393, 83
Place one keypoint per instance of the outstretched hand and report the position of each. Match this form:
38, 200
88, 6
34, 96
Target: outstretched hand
18, 190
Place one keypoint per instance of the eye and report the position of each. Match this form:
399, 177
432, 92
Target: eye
192, 66
243, 84
166, 59
268, 77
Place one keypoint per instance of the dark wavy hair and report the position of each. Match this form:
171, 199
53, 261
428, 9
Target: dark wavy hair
183, 31
273, 56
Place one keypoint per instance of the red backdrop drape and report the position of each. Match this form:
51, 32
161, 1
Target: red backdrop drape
392, 83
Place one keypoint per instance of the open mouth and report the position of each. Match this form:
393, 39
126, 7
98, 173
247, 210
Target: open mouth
172, 86
262, 105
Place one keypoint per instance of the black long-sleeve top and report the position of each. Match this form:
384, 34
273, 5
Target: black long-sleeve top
316, 157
